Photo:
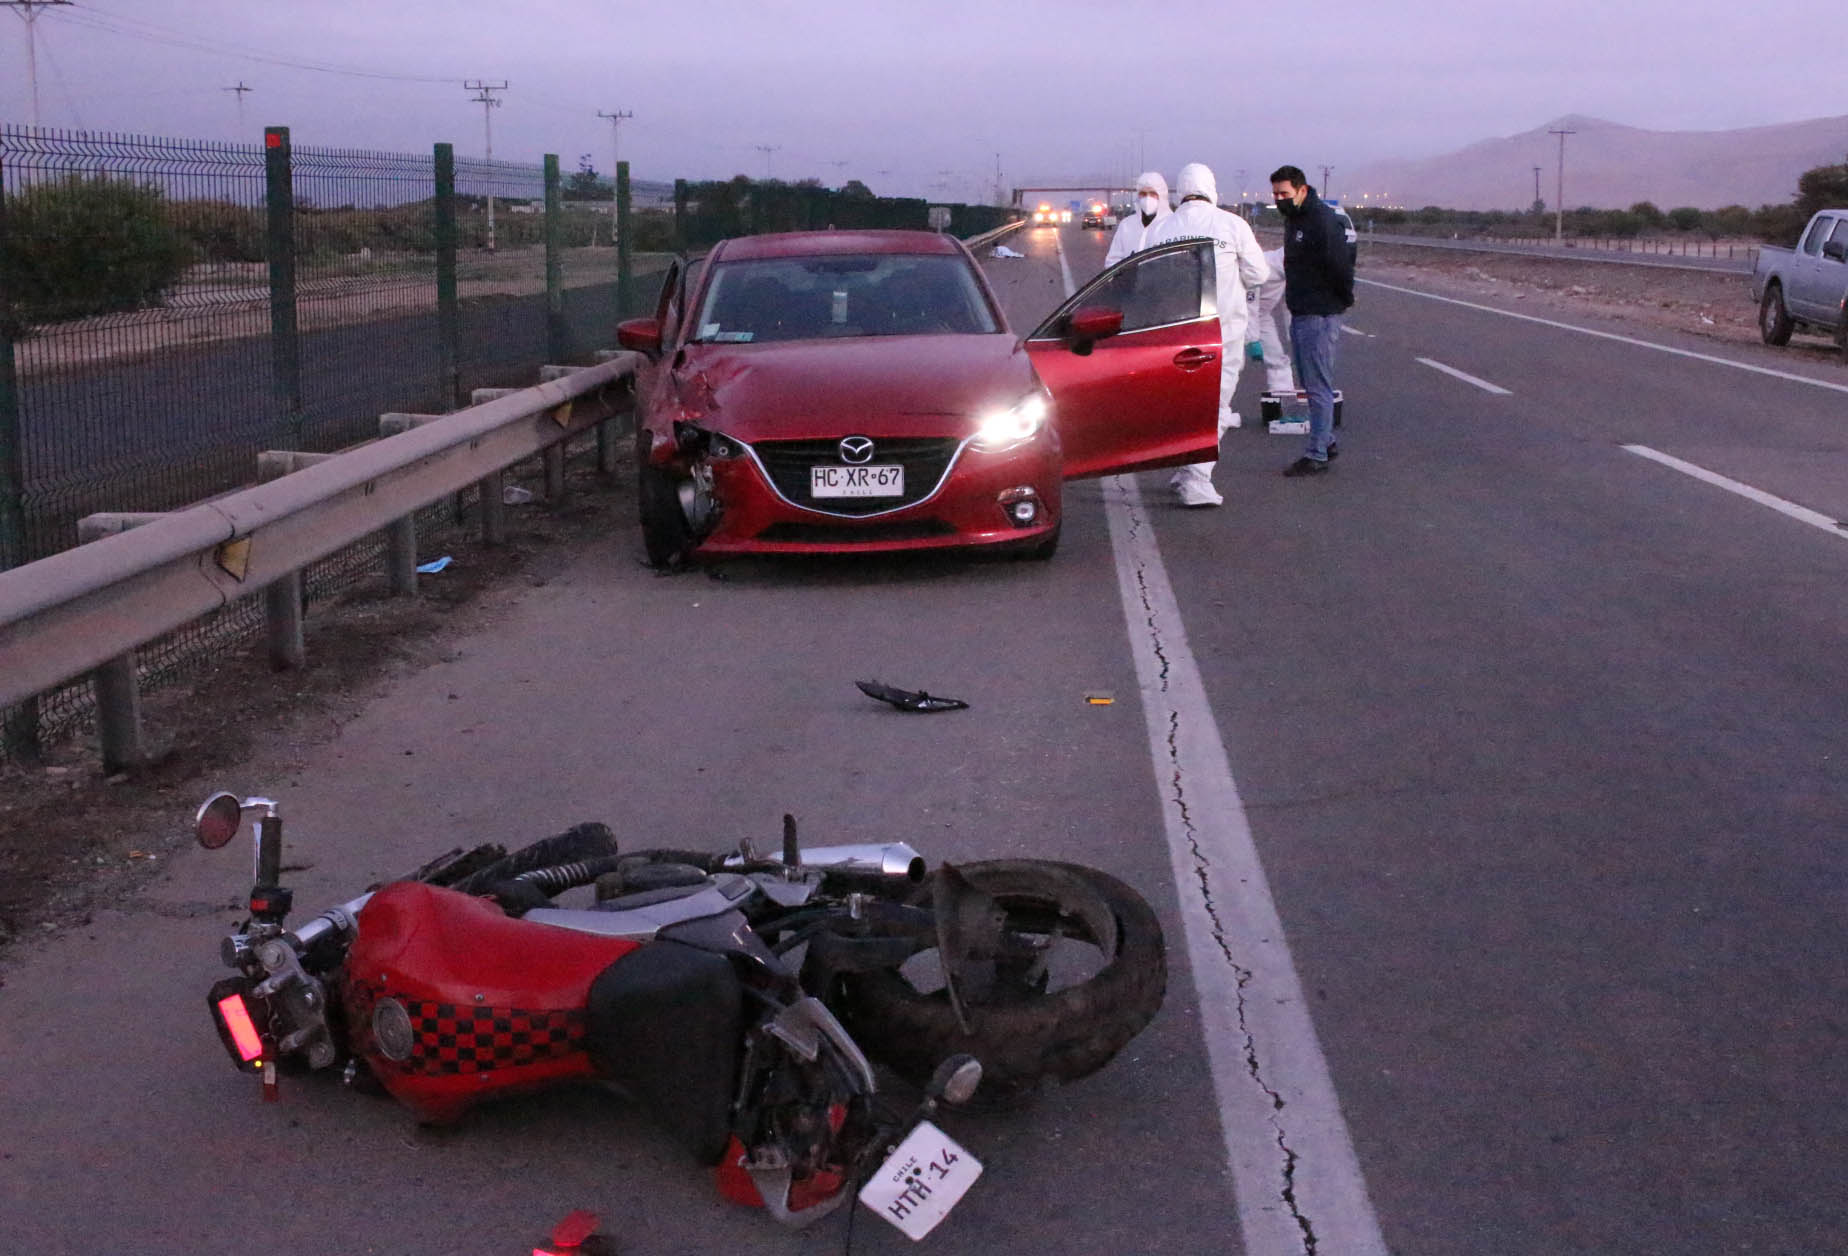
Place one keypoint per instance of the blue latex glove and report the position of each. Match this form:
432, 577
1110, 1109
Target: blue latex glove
1254, 349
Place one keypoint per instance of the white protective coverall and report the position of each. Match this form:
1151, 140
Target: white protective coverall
1131, 235
1238, 265
1272, 330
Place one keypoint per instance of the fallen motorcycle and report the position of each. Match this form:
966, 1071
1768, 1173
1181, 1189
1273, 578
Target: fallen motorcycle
742, 999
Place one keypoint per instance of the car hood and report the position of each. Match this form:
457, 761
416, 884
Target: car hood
890, 385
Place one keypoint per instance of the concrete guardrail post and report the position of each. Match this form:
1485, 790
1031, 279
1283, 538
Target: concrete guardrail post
116, 685
401, 534
283, 600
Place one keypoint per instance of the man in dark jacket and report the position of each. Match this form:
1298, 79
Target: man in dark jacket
1318, 270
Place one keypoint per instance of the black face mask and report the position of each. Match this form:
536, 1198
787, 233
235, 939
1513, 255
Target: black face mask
1287, 206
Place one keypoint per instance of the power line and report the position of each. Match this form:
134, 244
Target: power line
240, 90
1559, 210
488, 104
126, 27
28, 10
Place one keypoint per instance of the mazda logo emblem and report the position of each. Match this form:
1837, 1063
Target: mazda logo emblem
856, 449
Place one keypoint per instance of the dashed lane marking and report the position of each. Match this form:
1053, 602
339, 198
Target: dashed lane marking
1803, 514
1466, 377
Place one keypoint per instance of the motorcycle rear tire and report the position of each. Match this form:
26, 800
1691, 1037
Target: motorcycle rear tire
1064, 1034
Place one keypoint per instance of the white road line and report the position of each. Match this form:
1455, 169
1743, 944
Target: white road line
1454, 373
1611, 335
1355, 331
1295, 1176
1294, 1172
1803, 514
1065, 269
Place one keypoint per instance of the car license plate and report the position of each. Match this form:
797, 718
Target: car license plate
920, 1182
842, 481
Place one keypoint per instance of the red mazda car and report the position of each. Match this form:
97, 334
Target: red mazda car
837, 391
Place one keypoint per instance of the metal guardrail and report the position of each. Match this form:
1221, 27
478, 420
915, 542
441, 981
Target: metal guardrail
975, 242
82, 609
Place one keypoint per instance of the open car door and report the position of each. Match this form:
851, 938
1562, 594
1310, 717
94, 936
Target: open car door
1132, 361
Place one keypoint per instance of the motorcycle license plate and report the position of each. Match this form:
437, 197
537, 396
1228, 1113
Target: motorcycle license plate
882, 481
920, 1182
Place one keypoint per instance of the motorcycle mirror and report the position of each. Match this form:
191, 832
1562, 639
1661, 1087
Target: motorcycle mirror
955, 1080
218, 820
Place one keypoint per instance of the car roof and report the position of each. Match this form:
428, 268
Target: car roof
827, 243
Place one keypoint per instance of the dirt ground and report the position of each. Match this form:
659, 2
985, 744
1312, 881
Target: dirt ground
72, 839
1713, 305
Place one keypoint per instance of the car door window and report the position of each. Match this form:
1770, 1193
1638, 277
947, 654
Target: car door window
1840, 234
667, 305
1812, 243
1155, 288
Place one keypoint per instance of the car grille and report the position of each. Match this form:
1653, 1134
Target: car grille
925, 460
848, 534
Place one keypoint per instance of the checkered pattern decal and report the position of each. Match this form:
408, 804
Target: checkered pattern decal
473, 1039
451, 1038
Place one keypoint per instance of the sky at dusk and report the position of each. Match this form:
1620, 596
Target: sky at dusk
918, 99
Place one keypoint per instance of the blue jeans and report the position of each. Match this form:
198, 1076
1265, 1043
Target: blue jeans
1313, 338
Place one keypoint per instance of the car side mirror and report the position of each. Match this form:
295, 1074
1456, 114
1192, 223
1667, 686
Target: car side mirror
1837, 249
640, 334
1094, 322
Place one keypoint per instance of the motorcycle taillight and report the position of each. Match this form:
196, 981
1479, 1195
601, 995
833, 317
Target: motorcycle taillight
237, 1024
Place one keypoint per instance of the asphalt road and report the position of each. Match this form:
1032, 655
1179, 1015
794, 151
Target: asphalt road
1532, 742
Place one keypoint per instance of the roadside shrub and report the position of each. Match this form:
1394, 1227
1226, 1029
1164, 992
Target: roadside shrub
1779, 224
1686, 218
87, 245
220, 231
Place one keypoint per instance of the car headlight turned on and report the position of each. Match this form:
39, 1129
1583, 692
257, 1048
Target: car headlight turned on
1006, 427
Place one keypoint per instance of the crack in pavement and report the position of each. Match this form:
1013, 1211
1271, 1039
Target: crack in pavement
1201, 867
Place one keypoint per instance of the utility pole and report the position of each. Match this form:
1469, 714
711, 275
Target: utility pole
1241, 186
1326, 171
1559, 206
615, 116
488, 105
29, 10
766, 150
1536, 185
998, 200
240, 89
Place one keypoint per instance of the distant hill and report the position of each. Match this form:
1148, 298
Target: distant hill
1609, 166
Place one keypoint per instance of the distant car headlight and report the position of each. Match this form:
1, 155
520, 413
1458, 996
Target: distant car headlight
1004, 428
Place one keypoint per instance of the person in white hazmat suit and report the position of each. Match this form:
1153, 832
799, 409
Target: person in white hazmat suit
1271, 327
1238, 265
1132, 234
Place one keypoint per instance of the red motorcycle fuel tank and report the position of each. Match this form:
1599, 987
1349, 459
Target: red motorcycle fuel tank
451, 1001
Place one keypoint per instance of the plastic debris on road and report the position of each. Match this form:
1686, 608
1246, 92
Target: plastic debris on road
909, 700
1001, 250
435, 565
514, 495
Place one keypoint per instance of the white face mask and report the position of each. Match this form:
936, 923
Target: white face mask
1148, 204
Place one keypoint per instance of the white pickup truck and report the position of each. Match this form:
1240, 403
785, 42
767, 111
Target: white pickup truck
1806, 288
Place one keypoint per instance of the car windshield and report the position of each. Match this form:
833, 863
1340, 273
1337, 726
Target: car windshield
814, 298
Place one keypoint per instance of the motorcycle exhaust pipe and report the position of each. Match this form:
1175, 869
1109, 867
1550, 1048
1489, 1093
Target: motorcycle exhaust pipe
892, 860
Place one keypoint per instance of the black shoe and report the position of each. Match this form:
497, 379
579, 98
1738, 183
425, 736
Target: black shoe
1306, 465
1334, 450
